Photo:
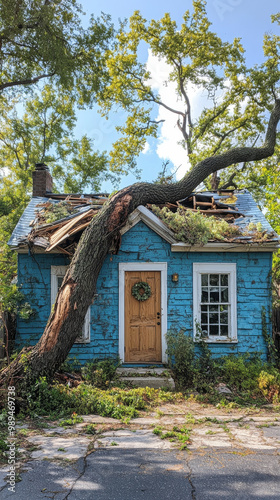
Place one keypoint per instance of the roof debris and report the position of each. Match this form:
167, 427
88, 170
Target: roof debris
59, 220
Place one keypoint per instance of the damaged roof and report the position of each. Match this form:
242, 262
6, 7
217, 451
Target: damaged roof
62, 233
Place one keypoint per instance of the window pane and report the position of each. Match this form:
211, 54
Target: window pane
214, 279
204, 308
224, 279
214, 294
224, 317
213, 308
224, 295
204, 280
224, 330
214, 330
204, 329
213, 318
204, 295
204, 318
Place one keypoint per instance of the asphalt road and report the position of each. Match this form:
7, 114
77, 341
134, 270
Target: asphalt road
137, 474
239, 461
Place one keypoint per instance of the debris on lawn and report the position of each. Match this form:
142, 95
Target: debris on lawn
70, 379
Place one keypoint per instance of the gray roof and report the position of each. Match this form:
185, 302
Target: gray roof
245, 204
23, 226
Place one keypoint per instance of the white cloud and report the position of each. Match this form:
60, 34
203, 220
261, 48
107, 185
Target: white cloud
146, 149
169, 135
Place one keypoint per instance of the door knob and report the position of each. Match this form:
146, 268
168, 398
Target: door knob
158, 323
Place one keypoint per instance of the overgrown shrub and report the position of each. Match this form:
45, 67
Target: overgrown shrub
71, 363
269, 384
193, 367
190, 370
181, 358
101, 372
206, 368
241, 372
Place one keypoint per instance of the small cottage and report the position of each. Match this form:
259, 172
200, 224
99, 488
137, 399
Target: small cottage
218, 290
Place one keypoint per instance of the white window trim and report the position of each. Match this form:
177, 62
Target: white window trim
58, 272
215, 268
143, 266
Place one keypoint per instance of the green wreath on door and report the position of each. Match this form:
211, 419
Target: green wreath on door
141, 291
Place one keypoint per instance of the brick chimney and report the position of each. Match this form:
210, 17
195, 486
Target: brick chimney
42, 180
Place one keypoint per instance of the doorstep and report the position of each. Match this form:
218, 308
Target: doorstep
156, 377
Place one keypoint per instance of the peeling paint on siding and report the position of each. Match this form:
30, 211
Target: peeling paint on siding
141, 244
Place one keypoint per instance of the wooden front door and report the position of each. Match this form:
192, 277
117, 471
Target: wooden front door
143, 319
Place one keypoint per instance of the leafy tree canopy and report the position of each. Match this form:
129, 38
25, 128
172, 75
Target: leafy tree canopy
48, 58
44, 38
238, 97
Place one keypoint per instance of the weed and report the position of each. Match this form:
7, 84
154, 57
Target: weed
225, 428
22, 432
159, 413
227, 404
90, 429
157, 431
190, 419
113, 443
61, 449
71, 421
182, 436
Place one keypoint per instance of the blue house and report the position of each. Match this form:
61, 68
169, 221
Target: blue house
154, 282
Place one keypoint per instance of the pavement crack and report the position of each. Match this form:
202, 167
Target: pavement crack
189, 476
80, 475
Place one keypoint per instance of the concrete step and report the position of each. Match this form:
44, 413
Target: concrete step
146, 377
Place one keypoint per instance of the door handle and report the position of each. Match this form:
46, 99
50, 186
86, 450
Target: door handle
158, 323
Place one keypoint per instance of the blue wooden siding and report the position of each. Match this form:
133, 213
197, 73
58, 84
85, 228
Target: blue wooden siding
141, 244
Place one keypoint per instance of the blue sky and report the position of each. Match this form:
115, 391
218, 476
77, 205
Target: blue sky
247, 19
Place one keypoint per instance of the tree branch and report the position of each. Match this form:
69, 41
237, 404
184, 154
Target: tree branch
226, 134
229, 182
28, 81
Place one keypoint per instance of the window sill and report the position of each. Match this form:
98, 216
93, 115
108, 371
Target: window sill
217, 341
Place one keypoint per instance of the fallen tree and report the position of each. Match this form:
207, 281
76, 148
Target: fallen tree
242, 99
79, 285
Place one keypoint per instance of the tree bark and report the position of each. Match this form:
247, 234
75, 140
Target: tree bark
79, 285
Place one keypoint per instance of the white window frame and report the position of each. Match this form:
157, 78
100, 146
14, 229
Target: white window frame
215, 268
59, 272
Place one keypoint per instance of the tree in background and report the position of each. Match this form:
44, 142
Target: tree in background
44, 53
43, 133
240, 128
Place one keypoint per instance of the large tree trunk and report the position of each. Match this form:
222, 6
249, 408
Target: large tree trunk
79, 285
